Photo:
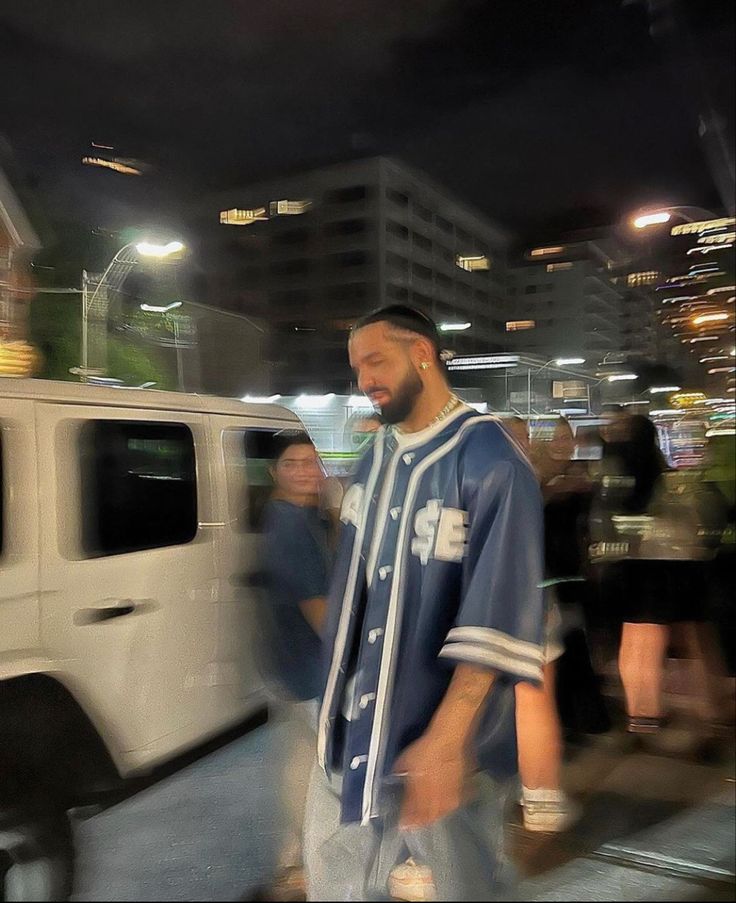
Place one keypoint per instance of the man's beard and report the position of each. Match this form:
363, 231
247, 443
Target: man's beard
403, 399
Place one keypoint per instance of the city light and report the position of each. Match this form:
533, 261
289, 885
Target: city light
150, 249
568, 361
289, 208
622, 377
454, 327
160, 309
260, 399
660, 390
697, 228
115, 165
544, 252
483, 362
471, 264
652, 219
237, 217
709, 318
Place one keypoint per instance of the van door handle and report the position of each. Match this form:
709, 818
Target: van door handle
109, 612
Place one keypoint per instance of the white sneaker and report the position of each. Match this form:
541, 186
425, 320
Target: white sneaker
548, 811
413, 882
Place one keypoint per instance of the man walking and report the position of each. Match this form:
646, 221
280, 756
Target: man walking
435, 614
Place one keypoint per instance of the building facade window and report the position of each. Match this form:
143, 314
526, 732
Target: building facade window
397, 197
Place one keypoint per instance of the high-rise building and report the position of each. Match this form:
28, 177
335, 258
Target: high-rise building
687, 275
313, 251
565, 300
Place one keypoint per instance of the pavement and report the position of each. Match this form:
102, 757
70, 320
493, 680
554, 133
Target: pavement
652, 828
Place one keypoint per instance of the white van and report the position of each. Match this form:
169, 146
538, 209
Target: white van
128, 531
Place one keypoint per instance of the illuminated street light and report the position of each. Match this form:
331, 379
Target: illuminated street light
156, 309
652, 219
150, 249
621, 377
661, 390
454, 327
664, 215
115, 273
567, 361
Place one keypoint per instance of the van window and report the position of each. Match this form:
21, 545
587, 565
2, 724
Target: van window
248, 457
139, 488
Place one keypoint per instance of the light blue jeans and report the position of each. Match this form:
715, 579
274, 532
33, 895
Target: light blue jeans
353, 862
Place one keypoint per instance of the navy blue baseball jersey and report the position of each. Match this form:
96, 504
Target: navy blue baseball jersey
440, 562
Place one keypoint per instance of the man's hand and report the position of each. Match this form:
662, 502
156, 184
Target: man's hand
438, 766
436, 780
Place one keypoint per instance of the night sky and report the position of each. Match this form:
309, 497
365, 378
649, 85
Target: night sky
542, 112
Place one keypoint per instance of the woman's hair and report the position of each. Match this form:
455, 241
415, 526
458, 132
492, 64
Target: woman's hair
285, 439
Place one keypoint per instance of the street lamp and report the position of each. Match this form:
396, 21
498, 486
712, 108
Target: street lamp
112, 278
454, 327
150, 249
569, 361
664, 215
159, 309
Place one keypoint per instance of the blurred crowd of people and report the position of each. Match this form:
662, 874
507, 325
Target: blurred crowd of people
637, 564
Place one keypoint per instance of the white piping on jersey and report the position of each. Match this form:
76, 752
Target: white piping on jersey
379, 524
346, 611
405, 442
489, 637
377, 748
495, 660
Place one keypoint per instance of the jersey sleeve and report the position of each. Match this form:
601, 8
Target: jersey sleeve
499, 624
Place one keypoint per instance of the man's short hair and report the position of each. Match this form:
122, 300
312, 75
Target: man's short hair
404, 319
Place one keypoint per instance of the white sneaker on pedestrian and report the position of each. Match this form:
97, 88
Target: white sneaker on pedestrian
413, 882
548, 811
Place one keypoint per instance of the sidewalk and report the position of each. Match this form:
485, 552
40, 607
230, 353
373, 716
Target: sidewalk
652, 828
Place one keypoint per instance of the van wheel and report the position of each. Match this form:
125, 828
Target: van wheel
36, 855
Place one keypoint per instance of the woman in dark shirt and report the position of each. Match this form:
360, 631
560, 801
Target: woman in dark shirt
296, 572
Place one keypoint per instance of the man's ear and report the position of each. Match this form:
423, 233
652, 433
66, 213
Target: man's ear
422, 352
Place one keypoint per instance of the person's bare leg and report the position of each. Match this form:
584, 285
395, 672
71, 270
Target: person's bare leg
641, 665
539, 734
539, 738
